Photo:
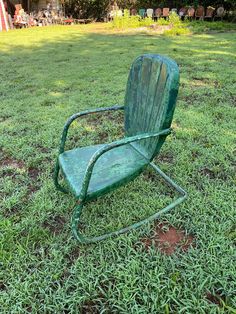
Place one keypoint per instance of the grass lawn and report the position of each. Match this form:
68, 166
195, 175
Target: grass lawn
47, 74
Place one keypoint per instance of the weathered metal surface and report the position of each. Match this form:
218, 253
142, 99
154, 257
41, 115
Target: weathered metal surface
111, 170
149, 106
78, 211
150, 100
95, 170
64, 137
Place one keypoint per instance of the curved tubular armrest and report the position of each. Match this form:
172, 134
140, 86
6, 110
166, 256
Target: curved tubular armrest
80, 114
110, 146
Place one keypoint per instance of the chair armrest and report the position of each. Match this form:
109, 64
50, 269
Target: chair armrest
110, 146
80, 114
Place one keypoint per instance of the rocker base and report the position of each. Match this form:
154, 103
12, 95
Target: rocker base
78, 210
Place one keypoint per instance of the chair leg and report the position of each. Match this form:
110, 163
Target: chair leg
78, 210
55, 178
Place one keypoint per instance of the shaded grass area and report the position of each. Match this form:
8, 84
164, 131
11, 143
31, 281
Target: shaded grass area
46, 75
210, 26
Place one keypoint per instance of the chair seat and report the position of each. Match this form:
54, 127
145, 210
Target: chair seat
112, 169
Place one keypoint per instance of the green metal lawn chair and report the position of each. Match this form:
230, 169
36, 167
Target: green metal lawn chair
92, 171
142, 13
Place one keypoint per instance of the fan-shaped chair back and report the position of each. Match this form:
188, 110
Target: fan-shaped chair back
166, 12
142, 12
150, 13
158, 12
133, 12
150, 99
191, 12
220, 11
182, 12
199, 11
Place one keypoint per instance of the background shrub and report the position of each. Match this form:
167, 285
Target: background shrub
130, 21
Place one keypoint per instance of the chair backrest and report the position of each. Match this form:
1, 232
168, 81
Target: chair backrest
133, 12
119, 13
182, 11
209, 12
112, 13
166, 12
149, 12
199, 11
141, 12
158, 12
191, 12
150, 100
220, 11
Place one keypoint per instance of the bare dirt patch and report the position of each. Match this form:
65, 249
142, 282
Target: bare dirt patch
168, 238
207, 172
9, 162
33, 173
9, 166
101, 137
89, 307
213, 298
32, 189
55, 224
166, 158
17, 171
8, 173
3, 286
13, 211
216, 298
43, 149
73, 255
2, 119
150, 175
214, 174
194, 155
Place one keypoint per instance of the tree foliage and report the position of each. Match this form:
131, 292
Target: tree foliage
97, 9
87, 8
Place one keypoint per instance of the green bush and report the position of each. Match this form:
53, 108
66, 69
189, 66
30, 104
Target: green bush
127, 21
178, 27
173, 19
177, 31
162, 21
130, 21
147, 21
